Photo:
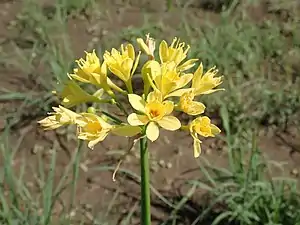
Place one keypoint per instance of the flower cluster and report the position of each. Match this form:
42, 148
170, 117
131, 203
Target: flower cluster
168, 87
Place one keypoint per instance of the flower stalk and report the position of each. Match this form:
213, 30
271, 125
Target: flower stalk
145, 182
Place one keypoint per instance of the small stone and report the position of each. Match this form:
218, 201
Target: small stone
208, 151
30, 184
72, 213
87, 207
90, 30
213, 145
225, 148
127, 159
51, 151
81, 17
13, 23
169, 165
37, 148
104, 32
162, 163
154, 166
83, 167
167, 140
295, 172
95, 39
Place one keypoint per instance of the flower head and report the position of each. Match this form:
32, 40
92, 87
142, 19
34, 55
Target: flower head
187, 105
202, 126
176, 53
166, 79
122, 64
88, 68
92, 128
73, 94
163, 78
155, 112
205, 83
148, 47
61, 116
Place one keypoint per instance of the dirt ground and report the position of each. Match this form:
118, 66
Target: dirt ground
172, 157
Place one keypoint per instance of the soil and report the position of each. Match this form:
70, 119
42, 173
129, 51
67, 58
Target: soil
172, 153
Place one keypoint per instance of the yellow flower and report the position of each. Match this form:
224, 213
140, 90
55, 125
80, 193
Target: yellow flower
122, 64
91, 71
155, 112
92, 128
203, 127
205, 84
165, 78
73, 94
175, 53
88, 66
148, 47
187, 105
61, 116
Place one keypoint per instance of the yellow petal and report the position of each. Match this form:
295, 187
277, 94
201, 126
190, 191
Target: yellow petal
126, 130
143, 46
126, 68
116, 71
163, 51
197, 148
195, 108
205, 120
169, 123
179, 92
103, 69
92, 143
136, 120
99, 93
136, 63
130, 50
211, 91
184, 80
169, 107
187, 65
151, 68
148, 47
50, 123
72, 94
103, 123
114, 86
197, 76
154, 96
79, 78
137, 102
214, 129
72, 115
152, 131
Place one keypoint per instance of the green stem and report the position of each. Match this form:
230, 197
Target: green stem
115, 119
129, 87
145, 182
122, 108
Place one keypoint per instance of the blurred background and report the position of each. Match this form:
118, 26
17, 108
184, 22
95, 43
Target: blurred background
248, 175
